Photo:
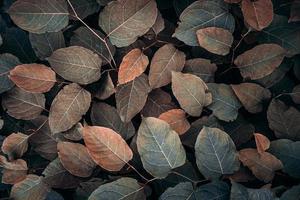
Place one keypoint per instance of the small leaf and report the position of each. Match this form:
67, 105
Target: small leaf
191, 92
23, 105
157, 27
123, 188
165, 60
251, 96
106, 89
14, 171
176, 119
260, 61
215, 153
40, 16
76, 64
34, 78
124, 21
132, 66
160, 147
263, 165
106, 147
262, 143
202, 68
75, 133
76, 159
15, 145
215, 40
68, 107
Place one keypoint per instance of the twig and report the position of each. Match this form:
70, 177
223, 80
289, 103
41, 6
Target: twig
291, 93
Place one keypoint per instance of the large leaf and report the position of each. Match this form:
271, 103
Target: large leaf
105, 115
45, 44
76, 159
258, 14
202, 68
14, 171
165, 60
68, 107
23, 105
76, 64
215, 153
224, 104
191, 92
260, 61
34, 78
123, 188
159, 147
30, 188
106, 147
284, 120
202, 14
40, 16
132, 66
125, 20
7, 63
15, 145
131, 97
289, 154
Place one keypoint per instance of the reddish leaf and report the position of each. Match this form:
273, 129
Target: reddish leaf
262, 143
15, 145
14, 171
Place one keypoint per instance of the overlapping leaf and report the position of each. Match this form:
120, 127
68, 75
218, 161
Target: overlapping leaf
202, 68
15, 145
13, 171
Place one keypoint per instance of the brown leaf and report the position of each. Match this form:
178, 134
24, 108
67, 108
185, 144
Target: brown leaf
14, 171
215, 40
262, 143
15, 145
34, 78
251, 96
177, 120
263, 166
68, 107
260, 61
106, 88
76, 159
23, 105
166, 59
132, 66
107, 148
75, 133
258, 14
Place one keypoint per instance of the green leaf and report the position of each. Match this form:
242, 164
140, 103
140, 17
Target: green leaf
202, 14
40, 16
291, 194
7, 63
124, 21
180, 191
159, 147
215, 153
123, 188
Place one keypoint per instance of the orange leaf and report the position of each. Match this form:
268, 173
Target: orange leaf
262, 142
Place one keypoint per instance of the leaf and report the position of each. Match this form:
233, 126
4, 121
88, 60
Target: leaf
132, 66
263, 165
106, 89
23, 105
85, 38
107, 116
76, 64
7, 62
106, 147
124, 21
291, 194
191, 92
131, 97
283, 120
14, 171
34, 78
251, 96
75, 133
45, 44
76, 159
30, 188
40, 16
215, 153
258, 14
68, 107
176, 119
123, 188
262, 143
260, 61
15, 145
214, 190
84, 8
202, 14
288, 152
296, 94
180, 191
215, 40
202, 68
157, 27
159, 147
224, 104
165, 60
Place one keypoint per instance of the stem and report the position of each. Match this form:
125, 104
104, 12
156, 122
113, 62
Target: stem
132, 167
291, 93
238, 44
